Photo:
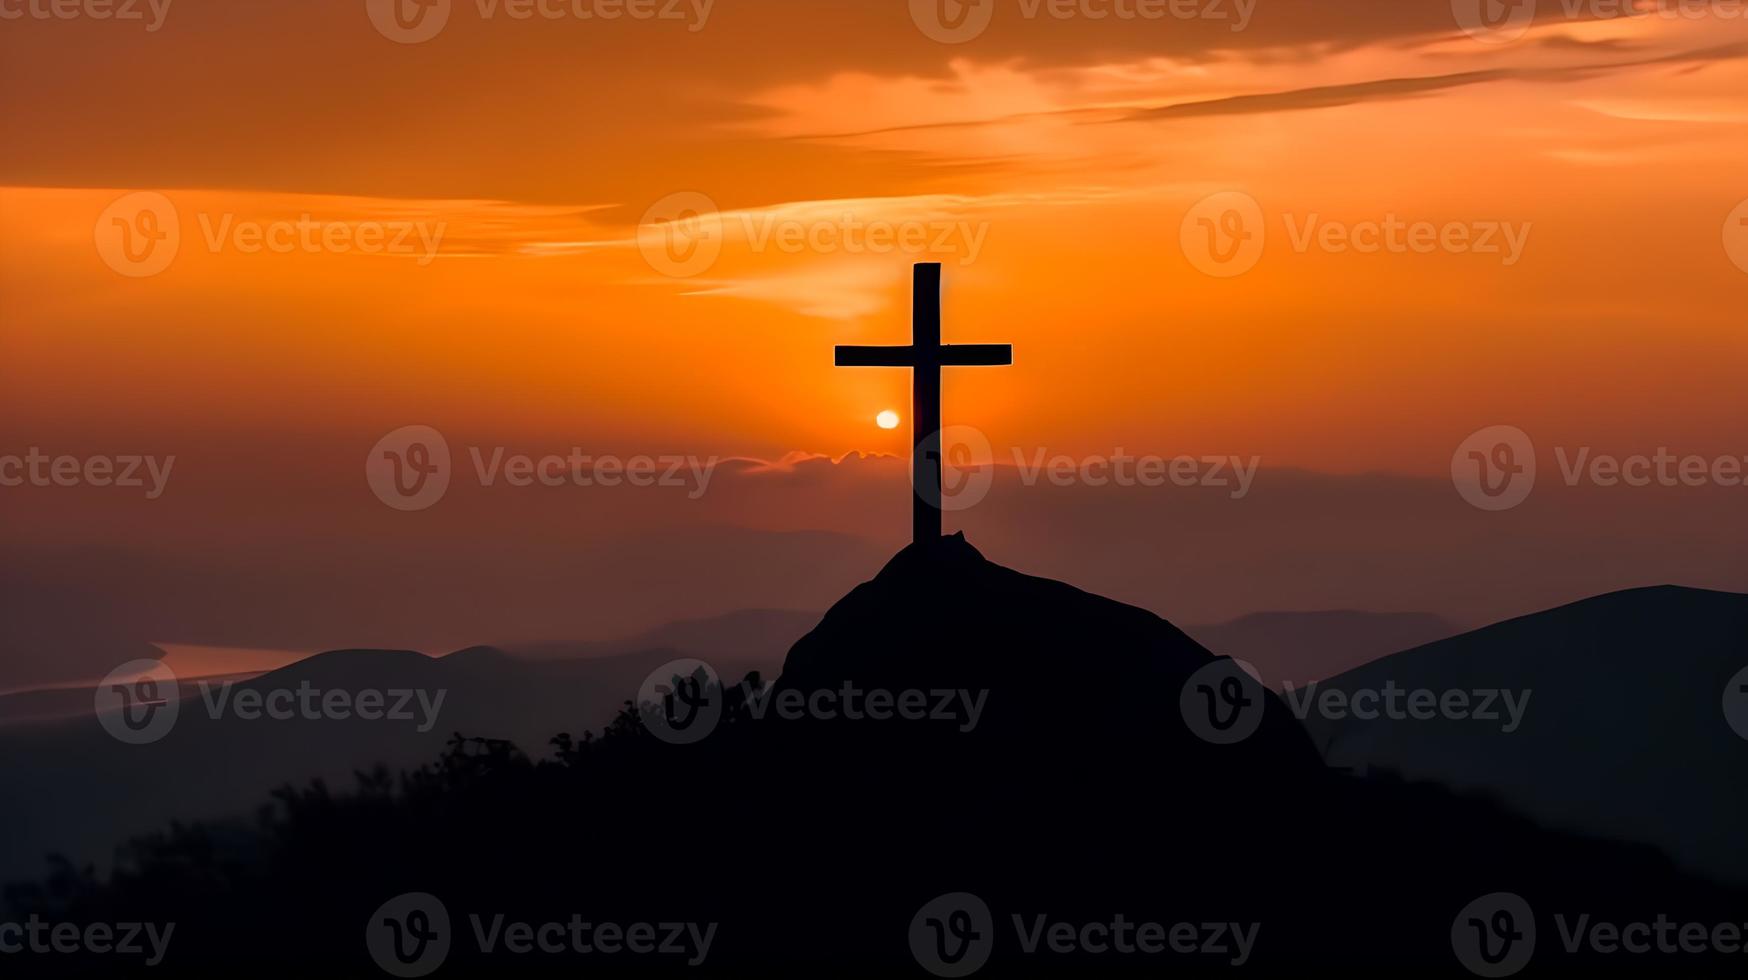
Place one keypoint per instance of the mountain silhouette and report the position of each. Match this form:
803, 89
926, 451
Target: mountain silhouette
1621, 735
751, 636
206, 768
1059, 768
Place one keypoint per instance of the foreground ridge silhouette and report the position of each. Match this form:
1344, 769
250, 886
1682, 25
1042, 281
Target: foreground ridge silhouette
815, 846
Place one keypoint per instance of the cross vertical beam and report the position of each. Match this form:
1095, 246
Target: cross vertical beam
925, 402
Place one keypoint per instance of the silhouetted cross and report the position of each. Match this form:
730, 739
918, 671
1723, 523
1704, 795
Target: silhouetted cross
927, 355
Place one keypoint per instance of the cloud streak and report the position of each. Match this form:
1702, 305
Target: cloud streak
1387, 89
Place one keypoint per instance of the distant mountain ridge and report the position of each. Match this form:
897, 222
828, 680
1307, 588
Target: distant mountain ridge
1623, 734
1301, 647
206, 767
740, 635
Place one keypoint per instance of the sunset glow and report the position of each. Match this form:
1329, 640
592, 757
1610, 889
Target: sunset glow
1041, 180
1337, 238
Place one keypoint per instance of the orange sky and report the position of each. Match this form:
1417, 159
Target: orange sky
1050, 172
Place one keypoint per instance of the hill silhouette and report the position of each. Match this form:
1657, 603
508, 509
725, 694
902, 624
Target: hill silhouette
1621, 736
825, 841
945, 618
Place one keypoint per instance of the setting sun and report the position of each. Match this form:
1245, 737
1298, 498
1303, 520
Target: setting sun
887, 419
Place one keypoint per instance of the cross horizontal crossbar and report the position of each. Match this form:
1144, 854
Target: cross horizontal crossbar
946, 355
